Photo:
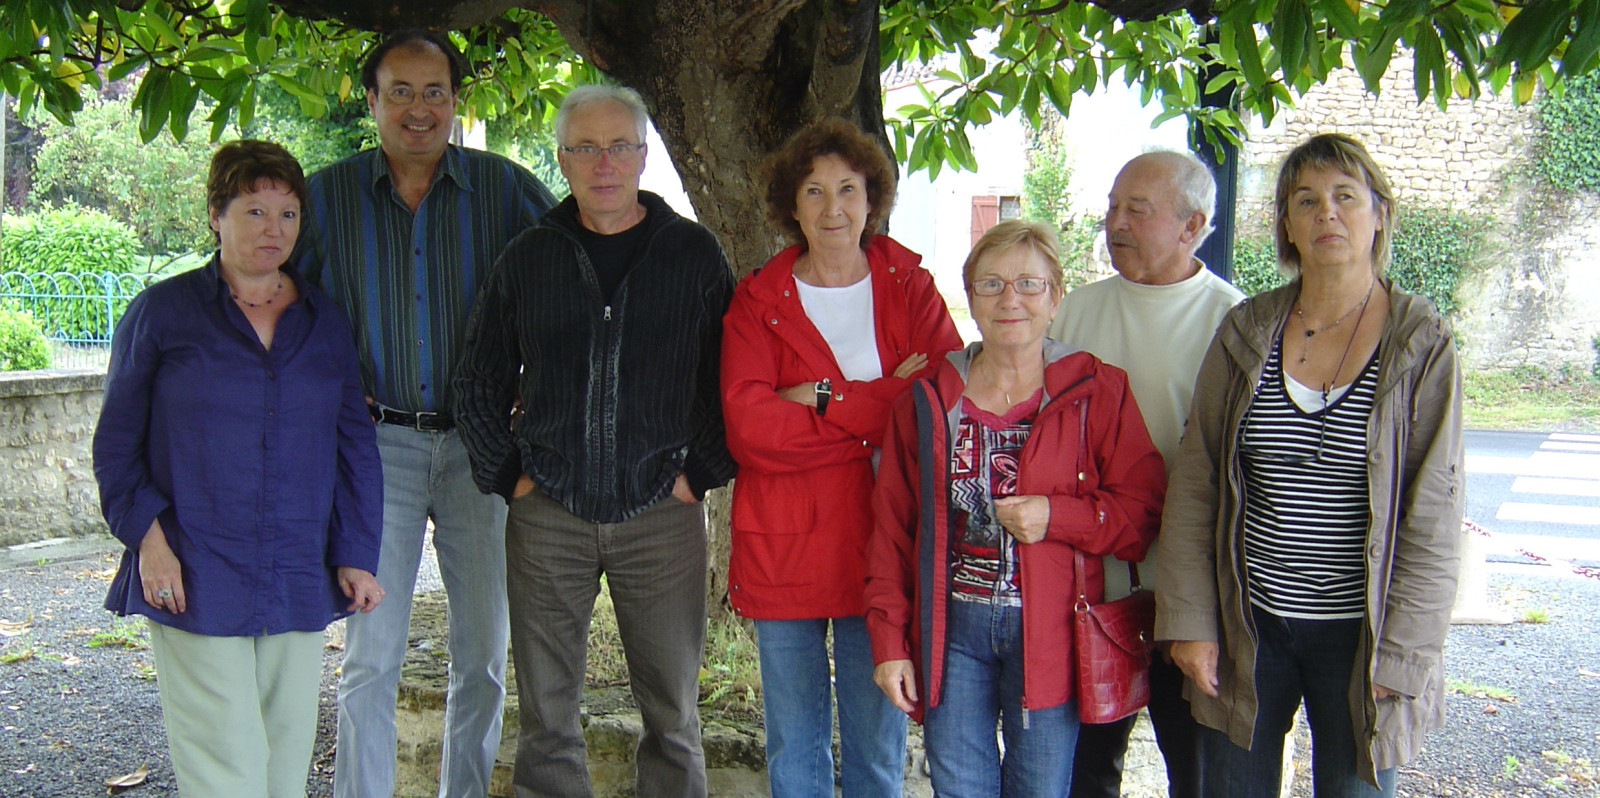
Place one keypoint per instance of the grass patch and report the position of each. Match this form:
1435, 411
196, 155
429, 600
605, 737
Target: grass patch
730, 674
1466, 688
1530, 399
127, 632
730, 679
1534, 615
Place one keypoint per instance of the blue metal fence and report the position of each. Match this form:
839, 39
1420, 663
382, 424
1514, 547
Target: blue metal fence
76, 311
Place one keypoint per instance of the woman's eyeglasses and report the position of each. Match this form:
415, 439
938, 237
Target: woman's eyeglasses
1026, 286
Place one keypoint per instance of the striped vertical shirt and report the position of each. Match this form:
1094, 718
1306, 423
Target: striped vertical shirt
1306, 510
408, 280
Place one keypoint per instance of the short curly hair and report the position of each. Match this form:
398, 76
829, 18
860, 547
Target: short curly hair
791, 164
240, 167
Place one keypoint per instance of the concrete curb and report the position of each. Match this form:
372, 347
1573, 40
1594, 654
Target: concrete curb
56, 550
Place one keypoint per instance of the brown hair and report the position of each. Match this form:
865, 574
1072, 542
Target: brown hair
1011, 233
239, 167
1341, 152
786, 168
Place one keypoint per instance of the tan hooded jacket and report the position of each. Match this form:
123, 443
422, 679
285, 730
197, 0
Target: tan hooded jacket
1416, 496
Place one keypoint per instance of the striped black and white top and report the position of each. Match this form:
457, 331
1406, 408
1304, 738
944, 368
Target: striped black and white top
1306, 508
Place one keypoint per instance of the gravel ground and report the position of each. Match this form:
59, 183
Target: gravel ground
1524, 717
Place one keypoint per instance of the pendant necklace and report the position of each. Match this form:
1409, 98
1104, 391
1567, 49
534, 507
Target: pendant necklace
1300, 314
1327, 387
275, 294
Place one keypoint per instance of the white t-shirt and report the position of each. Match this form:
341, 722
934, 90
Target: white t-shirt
843, 315
1158, 334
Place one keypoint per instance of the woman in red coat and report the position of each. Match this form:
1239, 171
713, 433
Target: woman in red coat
1014, 453
815, 348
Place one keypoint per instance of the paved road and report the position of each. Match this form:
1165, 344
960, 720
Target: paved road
1537, 493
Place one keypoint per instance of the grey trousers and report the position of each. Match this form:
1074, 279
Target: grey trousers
655, 568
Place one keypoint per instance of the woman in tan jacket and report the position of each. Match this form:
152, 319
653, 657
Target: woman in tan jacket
1309, 543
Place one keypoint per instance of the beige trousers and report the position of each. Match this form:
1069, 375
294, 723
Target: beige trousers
241, 712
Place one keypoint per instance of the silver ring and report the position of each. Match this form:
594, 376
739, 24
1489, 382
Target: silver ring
164, 593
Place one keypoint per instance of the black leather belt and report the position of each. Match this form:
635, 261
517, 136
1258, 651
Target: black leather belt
423, 422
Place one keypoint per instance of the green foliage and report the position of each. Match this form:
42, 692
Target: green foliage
83, 244
1568, 156
99, 162
1077, 249
1432, 247
219, 58
1045, 196
22, 343
346, 128
534, 148
1255, 265
1264, 52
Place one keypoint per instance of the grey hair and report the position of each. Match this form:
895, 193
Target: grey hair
1197, 189
599, 92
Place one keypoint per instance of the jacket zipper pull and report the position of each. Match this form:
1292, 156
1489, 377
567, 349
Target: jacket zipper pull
1024, 716
608, 313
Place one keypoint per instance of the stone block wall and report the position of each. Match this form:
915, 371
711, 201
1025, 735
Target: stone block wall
1455, 158
47, 487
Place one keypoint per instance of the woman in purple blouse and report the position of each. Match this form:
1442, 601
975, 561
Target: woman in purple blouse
239, 466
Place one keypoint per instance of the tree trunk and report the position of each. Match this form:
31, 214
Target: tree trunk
726, 86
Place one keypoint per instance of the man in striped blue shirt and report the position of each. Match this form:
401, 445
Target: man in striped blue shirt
401, 236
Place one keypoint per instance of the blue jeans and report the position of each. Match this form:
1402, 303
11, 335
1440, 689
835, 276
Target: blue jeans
798, 704
426, 475
983, 686
1296, 659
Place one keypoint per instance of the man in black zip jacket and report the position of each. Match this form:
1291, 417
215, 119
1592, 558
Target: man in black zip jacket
605, 322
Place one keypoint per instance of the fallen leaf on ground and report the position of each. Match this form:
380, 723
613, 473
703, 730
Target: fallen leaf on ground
133, 779
33, 767
14, 628
1587, 672
1490, 709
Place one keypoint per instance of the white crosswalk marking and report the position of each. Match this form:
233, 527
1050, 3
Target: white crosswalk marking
1559, 487
1555, 486
1549, 513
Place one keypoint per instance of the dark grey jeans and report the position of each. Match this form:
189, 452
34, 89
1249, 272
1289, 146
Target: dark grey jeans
655, 568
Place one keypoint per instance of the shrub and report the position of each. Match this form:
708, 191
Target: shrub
1432, 247
100, 162
1569, 126
22, 343
1255, 265
71, 251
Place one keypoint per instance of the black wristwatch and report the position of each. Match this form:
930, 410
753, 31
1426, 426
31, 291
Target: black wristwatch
824, 393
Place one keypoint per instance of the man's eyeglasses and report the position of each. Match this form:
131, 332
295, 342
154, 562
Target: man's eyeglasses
405, 95
589, 153
1026, 286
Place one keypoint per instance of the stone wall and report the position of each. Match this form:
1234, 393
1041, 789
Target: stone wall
1456, 158
47, 487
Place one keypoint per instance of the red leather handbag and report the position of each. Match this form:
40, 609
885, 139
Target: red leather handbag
1112, 642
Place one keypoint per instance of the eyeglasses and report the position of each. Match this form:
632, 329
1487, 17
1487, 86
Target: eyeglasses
589, 153
405, 95
1026, 286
